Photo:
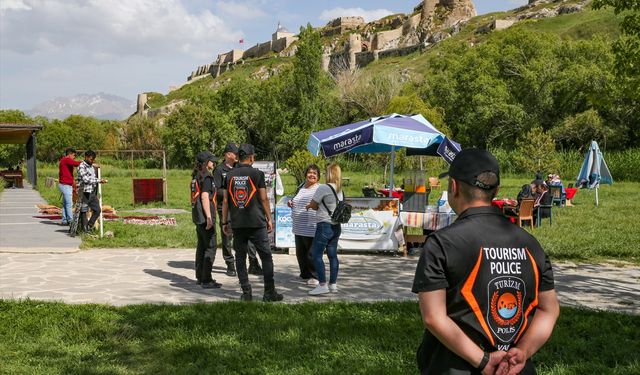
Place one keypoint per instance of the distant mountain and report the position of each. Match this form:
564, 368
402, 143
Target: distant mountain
102, 106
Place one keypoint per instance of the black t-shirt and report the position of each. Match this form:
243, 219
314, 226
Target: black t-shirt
219, 174
201, 185
243, 197
492, 271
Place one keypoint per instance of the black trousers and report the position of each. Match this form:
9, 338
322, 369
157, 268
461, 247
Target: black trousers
205, 252
90, 201
227, 244
260, 239
303, 253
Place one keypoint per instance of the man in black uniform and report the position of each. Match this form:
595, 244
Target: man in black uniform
485, 286
247, 207
203, 216
219, 174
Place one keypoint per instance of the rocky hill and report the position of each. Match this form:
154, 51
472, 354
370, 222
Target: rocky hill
351, 43
102, 106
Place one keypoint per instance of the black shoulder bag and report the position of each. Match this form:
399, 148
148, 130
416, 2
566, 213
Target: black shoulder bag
342, 213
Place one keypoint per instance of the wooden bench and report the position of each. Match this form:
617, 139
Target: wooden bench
346, 181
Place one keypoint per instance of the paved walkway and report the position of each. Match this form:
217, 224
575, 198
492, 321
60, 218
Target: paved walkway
131, 276
21, 232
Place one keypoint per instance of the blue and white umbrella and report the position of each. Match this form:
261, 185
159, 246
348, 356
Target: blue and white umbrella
381, 134
594, 170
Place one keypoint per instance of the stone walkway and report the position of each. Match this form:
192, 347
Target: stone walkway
21, 231
132, 276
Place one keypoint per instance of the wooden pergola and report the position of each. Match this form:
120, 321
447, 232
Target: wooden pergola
23, 134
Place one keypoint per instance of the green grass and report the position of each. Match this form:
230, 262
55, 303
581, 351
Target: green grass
237, 338
580, 233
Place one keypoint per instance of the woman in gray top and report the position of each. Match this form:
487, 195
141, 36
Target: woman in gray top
327, 231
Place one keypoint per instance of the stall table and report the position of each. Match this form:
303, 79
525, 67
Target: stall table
571, 192
430, 220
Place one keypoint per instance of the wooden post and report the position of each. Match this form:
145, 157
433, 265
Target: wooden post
164, 177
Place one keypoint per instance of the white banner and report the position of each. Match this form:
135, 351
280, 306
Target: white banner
372, 225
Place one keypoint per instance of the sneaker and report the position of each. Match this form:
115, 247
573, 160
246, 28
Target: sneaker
198, 282
312, 282
320, 289
231, 269
333, 288
272, 296
211, 285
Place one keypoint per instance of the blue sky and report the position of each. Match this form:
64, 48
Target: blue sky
57, 48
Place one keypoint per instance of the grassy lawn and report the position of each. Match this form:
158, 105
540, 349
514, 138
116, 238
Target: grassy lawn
307, 338
580, 233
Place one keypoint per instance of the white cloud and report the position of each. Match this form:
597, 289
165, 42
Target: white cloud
368, 15
240, 11
113, 28
13, 5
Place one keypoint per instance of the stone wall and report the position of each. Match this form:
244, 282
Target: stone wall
282, 43
383, 39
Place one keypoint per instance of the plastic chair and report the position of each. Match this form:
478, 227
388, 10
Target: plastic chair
539, 217
369, 192
434, 182
556, 194
525, 213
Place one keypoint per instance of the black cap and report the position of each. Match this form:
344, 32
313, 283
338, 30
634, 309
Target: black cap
472, 162
246, 149
205, 156
231, 147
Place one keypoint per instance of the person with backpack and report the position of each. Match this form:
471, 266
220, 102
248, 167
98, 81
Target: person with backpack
203, 210
328, 201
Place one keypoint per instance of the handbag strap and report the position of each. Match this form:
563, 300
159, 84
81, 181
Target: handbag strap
335, 195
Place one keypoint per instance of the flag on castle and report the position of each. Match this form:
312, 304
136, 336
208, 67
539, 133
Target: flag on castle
241, 41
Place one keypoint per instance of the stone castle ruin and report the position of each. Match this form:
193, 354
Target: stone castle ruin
402, 34
280, 41
354, 43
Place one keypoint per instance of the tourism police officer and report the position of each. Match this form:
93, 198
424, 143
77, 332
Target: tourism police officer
230, 156
485, 285
247, 207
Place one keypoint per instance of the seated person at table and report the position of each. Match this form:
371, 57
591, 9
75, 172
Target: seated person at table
525, 192
544, 199
556, 181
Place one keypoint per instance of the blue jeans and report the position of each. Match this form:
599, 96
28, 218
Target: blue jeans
327, 236
67, 202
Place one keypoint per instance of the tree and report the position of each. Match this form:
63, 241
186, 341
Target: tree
307, 76
576, 131
11, 154
536, 152
627, 62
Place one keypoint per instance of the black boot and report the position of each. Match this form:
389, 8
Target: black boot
270, 295
246, 294
231, 269
254, 267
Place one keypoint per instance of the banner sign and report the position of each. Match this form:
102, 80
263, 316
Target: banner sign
448, 149
269, 170
372, 225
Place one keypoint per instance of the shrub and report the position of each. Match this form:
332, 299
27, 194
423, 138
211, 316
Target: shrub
299, 161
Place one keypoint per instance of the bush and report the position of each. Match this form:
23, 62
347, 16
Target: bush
299, 161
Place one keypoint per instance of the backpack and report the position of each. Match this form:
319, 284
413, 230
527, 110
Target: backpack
342, 213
